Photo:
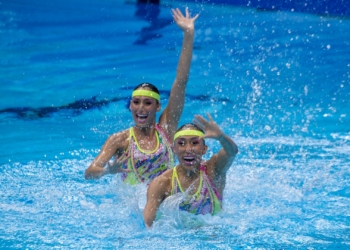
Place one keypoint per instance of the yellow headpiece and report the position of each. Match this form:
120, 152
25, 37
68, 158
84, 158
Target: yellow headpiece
144, 92
188, 132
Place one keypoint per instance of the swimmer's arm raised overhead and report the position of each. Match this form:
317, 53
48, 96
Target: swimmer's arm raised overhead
224, 158
171, 115
158, 190
114, 146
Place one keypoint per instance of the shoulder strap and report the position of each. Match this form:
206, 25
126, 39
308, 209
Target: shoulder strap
131, 132
167, 143
215, 197
162, 132
127, 151
173, 184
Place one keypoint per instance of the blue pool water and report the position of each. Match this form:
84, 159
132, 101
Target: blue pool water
277, 82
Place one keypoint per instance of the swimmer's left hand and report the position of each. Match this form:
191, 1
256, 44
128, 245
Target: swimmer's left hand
210, 127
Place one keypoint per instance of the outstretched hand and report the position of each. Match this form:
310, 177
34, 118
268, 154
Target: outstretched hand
116, 166
210, 127
186, 23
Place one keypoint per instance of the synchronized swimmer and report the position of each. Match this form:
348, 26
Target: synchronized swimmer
201, 182
144, 151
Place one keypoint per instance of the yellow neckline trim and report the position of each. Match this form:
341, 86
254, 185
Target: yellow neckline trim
138, 146
179, 184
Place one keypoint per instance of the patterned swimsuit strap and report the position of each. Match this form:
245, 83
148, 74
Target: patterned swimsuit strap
210, 183
162, 132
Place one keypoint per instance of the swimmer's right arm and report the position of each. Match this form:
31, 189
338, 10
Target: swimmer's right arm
101, 166
172, 113
156, 193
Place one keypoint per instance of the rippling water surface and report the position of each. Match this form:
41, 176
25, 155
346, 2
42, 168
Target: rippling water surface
277, 82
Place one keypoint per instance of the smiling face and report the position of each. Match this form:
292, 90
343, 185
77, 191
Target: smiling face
189, 150
144, 109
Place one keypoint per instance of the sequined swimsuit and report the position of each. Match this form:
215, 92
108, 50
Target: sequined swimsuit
146, 165
205, 200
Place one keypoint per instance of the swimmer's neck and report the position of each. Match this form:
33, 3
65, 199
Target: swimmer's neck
145, 131
189, 174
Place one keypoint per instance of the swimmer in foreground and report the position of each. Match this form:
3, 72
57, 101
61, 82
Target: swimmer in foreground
144, 151
201, 182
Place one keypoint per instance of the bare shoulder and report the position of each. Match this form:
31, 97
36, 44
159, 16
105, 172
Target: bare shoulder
211, 164
119, 140
164, 178
162, 182
218, 178
119, 136
211, 168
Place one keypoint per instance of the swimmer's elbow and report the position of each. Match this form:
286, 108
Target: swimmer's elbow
89, 175
148, 225
148, 222
236, 151
232, 153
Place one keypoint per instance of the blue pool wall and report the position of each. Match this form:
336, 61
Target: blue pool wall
319, 7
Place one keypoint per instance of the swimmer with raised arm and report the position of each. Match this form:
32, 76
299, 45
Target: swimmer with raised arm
144, 151
201, 182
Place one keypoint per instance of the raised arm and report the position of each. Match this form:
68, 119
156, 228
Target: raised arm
172, 113
101, 166
224, 158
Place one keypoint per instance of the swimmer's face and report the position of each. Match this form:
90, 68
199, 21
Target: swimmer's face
144, 109
189, 150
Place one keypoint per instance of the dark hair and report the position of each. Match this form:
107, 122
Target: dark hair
147, 85
190, 124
